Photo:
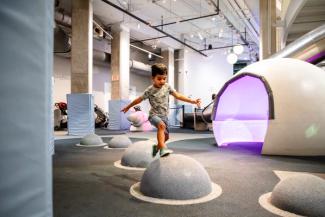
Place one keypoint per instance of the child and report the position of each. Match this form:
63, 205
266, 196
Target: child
158, 95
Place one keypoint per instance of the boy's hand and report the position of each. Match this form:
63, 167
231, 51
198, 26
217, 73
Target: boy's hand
197, 102
125, 110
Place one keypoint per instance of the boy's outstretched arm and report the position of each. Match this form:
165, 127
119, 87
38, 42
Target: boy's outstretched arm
133, 103
186, 99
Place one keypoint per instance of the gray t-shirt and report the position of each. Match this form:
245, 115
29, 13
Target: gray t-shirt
159, 99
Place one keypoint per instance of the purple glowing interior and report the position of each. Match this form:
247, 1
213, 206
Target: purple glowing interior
242, 112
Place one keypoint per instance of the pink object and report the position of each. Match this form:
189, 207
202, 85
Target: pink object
139, 121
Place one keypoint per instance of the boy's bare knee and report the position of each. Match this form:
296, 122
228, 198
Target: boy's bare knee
161, 126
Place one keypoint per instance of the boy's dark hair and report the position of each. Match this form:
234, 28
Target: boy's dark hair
158, 69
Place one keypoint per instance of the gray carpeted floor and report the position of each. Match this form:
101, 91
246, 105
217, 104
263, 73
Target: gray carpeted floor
86, 184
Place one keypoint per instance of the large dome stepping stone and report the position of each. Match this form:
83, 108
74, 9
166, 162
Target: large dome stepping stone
137, 156
119, 142
297, 195
91, 140
175, 180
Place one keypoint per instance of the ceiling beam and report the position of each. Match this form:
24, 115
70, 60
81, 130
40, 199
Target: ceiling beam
186, 20
216, 48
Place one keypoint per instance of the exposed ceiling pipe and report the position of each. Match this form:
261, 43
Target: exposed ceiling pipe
216, 48
155, 28
252, 32
241, 4
62, 19
65, 20
139, 48
148, 39
140, 66
99, 26
215, 5
228, 21
305, 46
168, 10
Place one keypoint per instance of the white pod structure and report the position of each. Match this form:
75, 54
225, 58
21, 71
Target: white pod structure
277, 102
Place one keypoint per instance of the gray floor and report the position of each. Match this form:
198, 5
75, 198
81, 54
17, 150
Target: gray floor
87, 184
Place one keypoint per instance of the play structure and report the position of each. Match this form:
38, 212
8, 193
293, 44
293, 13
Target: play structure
278, 102
309, 47
139, 121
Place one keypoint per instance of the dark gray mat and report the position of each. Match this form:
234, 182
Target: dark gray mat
86, 184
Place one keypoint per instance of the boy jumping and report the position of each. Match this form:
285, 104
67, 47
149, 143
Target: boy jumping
158, 95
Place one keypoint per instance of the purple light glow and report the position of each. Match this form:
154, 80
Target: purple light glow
316, 57
242, 113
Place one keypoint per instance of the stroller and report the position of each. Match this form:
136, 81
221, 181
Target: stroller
60, 116
101, 119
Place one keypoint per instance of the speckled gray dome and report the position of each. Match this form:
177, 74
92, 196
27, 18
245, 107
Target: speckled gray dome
91, 140
177, 177
139, 154
120, 141
302, 194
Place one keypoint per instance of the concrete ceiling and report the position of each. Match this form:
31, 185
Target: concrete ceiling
222, 30
311, 16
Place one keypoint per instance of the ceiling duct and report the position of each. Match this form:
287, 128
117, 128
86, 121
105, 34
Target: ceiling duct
61, 41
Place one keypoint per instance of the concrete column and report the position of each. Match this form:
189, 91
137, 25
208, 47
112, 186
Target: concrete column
82, 46
120, 65
168, 60
80, 101
182, 72
26, 42
267, 28
120, 62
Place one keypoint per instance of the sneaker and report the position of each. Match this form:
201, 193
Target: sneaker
154, 150
165, 152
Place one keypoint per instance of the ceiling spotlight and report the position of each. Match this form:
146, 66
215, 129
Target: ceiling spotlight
149, 55
232, 58
238, 49
213, 18
139, 26
200, 36
191, 35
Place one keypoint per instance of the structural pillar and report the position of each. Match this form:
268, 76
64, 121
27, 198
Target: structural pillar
26, 42
82, 46
168, 60
120, 66
267, 28
182, 72
80, 101
181, 64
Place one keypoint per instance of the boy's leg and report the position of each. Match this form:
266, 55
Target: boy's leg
161, 135
166, 129
159, 124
